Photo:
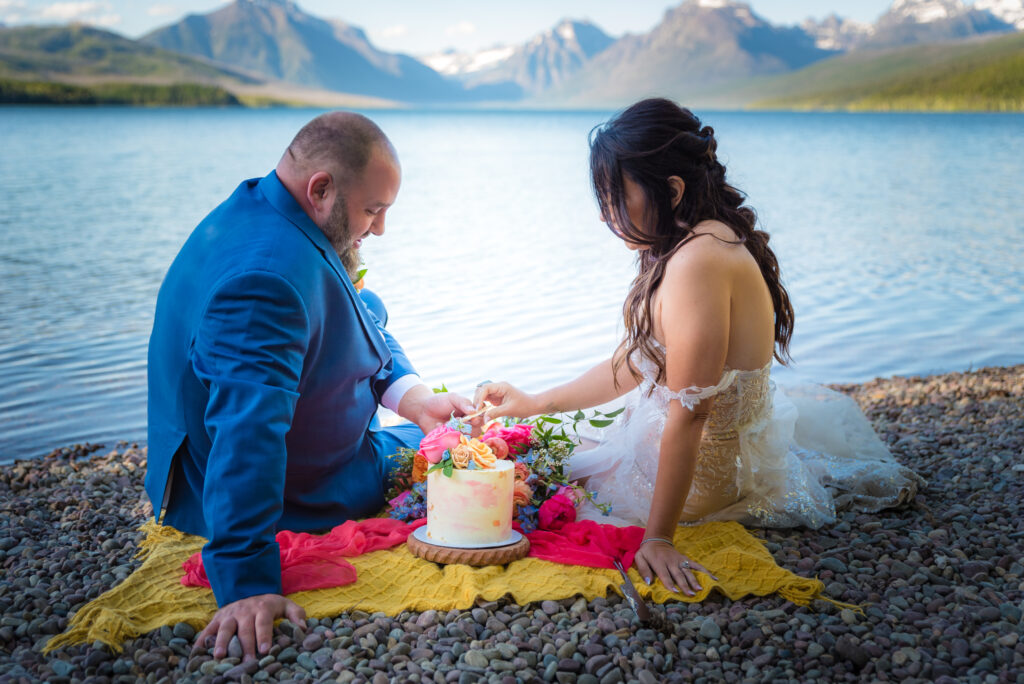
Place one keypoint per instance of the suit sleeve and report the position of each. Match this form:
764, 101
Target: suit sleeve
249, 350
400, 364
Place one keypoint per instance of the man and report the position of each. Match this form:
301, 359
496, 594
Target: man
266, 371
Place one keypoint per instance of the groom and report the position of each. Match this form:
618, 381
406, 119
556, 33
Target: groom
266, 370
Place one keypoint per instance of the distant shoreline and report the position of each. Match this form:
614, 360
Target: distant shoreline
868, 392
126, 93
15, 92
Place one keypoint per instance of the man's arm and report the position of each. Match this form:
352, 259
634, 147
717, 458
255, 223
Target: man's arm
249, 351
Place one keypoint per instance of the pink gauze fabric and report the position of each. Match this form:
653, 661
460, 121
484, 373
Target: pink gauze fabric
311, 561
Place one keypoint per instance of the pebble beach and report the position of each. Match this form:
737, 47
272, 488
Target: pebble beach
940, 582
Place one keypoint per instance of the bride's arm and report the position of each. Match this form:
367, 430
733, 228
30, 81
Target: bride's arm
695, 298
595, 387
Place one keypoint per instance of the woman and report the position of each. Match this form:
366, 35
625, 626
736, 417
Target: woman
705, 435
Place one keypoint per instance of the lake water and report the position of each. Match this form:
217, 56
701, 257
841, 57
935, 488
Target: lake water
899, 238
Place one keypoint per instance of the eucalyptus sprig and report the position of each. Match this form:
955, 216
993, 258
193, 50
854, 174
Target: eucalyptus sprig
551, 428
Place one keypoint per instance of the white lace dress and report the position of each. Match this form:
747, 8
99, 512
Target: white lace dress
768, 456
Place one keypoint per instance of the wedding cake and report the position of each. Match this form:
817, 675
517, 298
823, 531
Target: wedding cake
471, 507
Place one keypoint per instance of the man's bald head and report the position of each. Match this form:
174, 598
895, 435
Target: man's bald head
344, 173
341, 143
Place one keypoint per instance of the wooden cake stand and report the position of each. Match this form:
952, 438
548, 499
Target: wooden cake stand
494, 555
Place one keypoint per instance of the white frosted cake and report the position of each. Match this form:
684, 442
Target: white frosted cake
472, 507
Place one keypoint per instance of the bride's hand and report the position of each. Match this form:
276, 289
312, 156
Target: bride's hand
674, 569
507, 400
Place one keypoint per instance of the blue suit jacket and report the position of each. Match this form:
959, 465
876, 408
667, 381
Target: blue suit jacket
265, 374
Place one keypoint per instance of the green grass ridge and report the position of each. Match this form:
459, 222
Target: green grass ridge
134, 94
971, 76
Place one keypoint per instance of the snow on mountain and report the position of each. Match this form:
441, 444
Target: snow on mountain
835, 33
1010, 11
452, 63
926, 11
547, 59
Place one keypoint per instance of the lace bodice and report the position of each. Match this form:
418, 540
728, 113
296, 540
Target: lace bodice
742, 397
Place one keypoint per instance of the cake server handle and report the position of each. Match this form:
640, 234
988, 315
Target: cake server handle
632, 597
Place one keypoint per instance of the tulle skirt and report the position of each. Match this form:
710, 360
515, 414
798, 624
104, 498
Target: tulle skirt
808, 452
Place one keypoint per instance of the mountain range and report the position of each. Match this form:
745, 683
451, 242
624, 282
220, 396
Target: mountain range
276, 39
700, 51
546, 61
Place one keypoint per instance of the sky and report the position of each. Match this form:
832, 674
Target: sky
419, 28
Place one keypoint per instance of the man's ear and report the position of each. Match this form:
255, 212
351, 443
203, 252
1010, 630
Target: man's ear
319, 191
677, 186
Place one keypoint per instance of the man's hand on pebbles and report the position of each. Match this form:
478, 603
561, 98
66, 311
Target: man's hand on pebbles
252, 619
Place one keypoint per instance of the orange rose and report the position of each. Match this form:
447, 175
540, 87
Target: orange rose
498, 446
522, 493
482, 454
472, 450
522, 472
419, 468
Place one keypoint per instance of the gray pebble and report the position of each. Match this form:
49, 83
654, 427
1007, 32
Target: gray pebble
833, 564
709, 629
61, 668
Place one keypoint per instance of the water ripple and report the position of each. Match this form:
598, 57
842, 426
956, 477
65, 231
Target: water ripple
898, 237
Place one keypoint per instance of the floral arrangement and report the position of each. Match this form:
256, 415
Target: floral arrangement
540, 449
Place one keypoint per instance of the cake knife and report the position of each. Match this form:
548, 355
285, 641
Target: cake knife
632, 597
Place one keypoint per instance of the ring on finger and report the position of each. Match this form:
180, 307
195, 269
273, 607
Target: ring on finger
485, 382
684, 564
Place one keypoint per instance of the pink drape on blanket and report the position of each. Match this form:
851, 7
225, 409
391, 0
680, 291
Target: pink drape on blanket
310, 561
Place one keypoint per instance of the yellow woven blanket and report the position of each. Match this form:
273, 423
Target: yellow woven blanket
394, 580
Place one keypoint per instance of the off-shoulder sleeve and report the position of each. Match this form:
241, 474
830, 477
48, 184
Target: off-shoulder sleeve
690, 396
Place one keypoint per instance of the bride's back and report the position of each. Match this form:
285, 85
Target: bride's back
751, 323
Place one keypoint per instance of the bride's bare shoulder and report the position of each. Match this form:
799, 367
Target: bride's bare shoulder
710, 251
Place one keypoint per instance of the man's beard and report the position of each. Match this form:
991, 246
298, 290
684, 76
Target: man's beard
336, 229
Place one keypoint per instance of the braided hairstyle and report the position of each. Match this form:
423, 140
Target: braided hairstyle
650, 142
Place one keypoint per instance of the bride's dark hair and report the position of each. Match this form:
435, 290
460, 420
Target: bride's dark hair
650, 142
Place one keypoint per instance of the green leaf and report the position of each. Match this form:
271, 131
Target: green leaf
440, 390
360, 273
615, 412
578, 416
436, 466
449, 468
550, 419
601, 423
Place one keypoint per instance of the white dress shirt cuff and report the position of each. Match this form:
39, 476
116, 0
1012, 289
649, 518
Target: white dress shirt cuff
393, 394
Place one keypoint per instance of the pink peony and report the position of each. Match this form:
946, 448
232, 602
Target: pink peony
437, 441
571, 493
555, 513
517, 437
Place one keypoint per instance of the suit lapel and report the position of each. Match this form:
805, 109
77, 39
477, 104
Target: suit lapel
285, 204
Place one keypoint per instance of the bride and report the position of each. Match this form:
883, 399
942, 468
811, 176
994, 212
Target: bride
706, 435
